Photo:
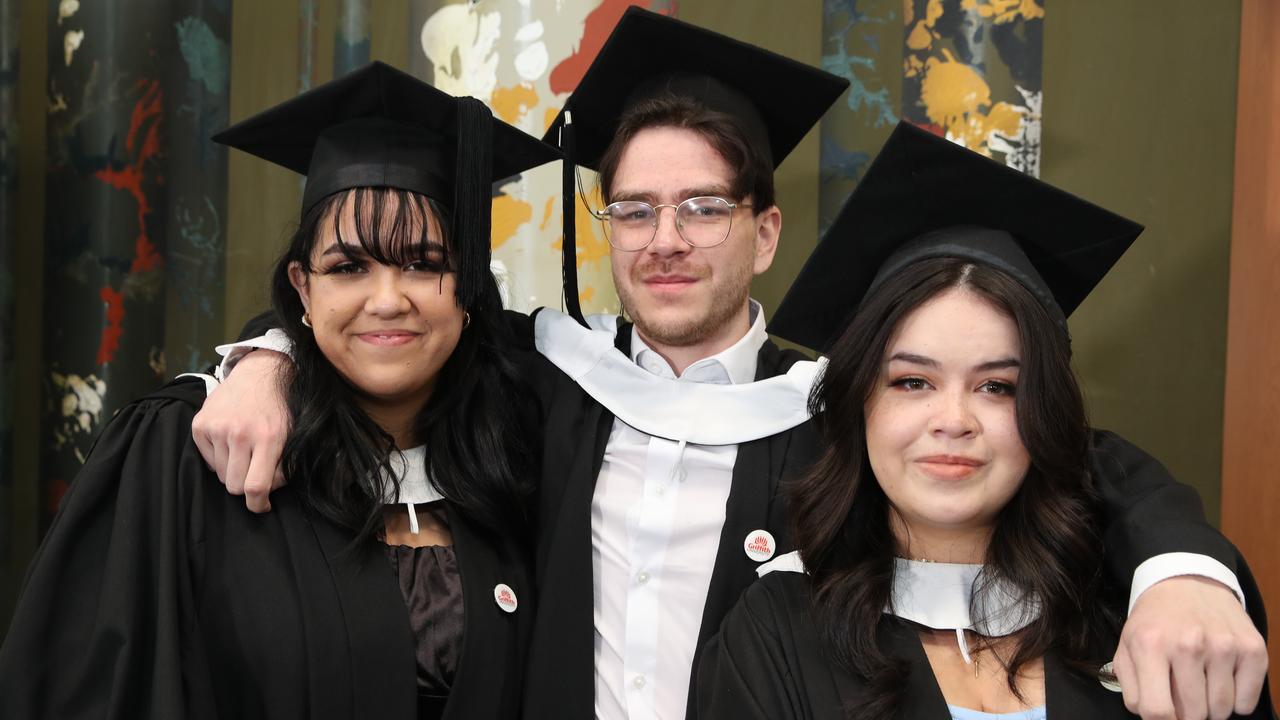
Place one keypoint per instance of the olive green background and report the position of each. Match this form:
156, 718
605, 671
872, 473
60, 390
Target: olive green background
1139, 117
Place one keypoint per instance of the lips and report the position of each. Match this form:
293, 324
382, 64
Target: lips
950, 467
388, 338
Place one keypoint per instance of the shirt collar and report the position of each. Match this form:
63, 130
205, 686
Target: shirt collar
734, 365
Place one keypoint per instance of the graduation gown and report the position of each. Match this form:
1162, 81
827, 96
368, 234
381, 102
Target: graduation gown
156, 594
1147, 513
561, 678
768, 663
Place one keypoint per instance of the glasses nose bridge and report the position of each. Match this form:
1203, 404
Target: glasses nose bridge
675, 219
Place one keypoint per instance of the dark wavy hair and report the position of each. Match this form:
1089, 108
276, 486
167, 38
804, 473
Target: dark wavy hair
753, 172
336, 456
1047, 541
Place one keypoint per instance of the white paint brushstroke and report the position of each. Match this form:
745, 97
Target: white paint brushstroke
533, 61
66, 9
469, 35
70, 43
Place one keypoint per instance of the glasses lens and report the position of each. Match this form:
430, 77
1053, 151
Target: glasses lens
631, 224
704, 221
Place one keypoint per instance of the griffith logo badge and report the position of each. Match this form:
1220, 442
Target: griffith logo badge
505, 597
759, 545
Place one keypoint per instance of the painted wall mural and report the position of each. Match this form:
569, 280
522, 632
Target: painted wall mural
972, 71
861, 40
9, 35
135, 206
969, 70
524, 57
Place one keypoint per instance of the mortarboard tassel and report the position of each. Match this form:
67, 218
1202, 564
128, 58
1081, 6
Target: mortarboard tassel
472, 199
569, 246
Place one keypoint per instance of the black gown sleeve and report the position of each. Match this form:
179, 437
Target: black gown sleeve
100, 630
1147, 512
748, 670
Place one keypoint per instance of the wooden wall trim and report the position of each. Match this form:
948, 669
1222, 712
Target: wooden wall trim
1251, 423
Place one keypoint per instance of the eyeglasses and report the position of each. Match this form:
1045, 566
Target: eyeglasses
702, 222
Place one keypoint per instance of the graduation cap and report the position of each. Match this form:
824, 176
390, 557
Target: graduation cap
927, 197
380, 127
774, 99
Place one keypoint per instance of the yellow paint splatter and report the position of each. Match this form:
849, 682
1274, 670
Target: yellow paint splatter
1004, 11
512, 103
509, 214
592, 245
546, 212
549, 117
956, 97
920, 38
585, 296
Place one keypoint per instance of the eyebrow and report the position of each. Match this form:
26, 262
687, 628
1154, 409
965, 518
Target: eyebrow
340, 248
684, 194
914, 359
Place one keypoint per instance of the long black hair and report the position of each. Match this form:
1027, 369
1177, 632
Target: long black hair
1046, 543
473, 425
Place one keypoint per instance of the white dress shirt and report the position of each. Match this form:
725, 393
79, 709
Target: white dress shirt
656, 518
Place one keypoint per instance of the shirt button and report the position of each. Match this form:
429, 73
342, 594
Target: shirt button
642, 577
638, 682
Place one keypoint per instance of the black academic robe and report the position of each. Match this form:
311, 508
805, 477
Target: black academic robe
768, 662
560, 682
156, 594
1147, 514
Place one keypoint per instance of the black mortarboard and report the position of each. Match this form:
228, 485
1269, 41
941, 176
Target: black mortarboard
926, 197
775, 99
380, 127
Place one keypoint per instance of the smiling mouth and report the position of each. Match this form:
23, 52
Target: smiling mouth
388, 339
950, 467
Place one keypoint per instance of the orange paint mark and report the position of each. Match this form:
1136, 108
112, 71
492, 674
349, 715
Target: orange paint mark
511, 104
591, 243
596, 28
112, 332
143, 143
546, 212
585, 296
549, 117
508, 215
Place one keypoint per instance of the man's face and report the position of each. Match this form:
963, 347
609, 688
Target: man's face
679, 295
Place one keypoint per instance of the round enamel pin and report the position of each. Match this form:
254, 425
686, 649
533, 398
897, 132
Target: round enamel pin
1107, 676
505, 597
759, 545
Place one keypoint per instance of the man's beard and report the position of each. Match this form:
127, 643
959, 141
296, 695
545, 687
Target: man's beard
727, 299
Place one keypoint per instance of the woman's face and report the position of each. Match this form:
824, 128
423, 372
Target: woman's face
387, 330
942, 433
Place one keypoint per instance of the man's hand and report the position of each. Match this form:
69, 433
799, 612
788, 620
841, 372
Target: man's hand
1189, 651
242, 428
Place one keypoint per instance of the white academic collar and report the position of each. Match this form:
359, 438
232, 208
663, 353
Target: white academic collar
735, 364
940, 596
699, 413
415, 486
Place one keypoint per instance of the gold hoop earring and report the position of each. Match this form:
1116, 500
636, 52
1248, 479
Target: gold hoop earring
466, 319
306, 319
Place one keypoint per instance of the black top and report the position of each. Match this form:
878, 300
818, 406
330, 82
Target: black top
155, 594
768, 662
924, 197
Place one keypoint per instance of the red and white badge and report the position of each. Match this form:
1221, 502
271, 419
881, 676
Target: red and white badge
505, 597
760, 545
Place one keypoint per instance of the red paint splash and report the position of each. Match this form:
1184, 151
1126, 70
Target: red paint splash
57, 488
599, 23
112, 332
143, 144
